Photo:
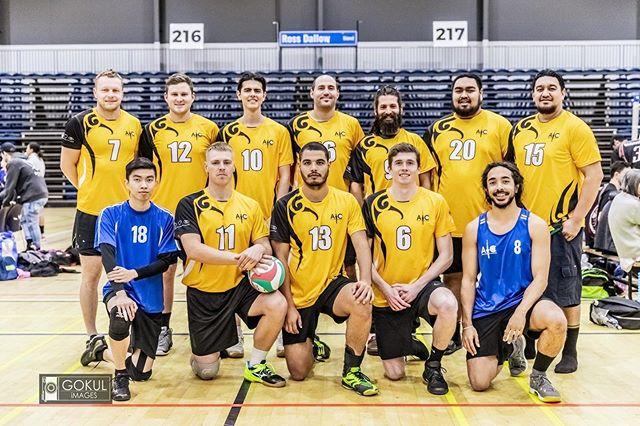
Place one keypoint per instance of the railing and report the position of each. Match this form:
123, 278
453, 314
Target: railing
370, 56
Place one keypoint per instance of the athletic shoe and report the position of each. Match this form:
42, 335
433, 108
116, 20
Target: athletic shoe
263, 373
434, 379
95, 345
120, 388
237, 350
165, 341
279, 346
454, 345
517, 360
357, 381
541, 386
372, 346
423, 353
321, 351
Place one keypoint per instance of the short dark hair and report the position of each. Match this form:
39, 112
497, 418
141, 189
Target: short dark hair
617, 138
35, 147
178, 78
402, 147
631, 182
314, 146
617, 167
471, 75
547, 73
517, 177
248, 76
140, 163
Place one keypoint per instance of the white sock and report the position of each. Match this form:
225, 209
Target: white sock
257, 356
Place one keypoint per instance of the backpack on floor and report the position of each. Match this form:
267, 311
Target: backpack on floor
9, 260
598, 284
616, 312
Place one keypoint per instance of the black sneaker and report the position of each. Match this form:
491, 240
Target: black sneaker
454, 345
434, 379
95, 346
263, 373
120, 388
321, 351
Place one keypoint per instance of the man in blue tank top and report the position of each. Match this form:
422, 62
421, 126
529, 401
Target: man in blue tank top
505, 251
135, 238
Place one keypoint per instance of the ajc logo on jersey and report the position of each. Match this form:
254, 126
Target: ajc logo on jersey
481, 132
130, 133
488, 250
340, 133
554, 135
196, 135
242, 217
422, 218
267, 142
336, 217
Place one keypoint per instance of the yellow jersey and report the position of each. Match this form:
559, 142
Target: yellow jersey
231, 225
462, 148
178, 150
106, 147
404, 235
317, 234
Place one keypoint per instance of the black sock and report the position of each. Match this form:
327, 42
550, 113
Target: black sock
542, 362
351, 359
570, 345
530, 348
42, 229
121, 372
436, 354
166, 317
29, 243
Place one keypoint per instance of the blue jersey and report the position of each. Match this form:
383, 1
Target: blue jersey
139, 237
504, 263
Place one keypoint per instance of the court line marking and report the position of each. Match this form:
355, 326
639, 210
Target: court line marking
455, 407
237, 405
522, 382
336, 405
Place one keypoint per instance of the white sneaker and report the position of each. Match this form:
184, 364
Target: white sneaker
165, 341
237, 350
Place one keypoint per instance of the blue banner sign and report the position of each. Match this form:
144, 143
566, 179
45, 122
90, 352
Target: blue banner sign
318, 38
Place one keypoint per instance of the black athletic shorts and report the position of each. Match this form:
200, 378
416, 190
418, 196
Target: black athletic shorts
565, 274
212, 322
84, 232
394, 328
309, 316
456, 266
491, 329
145, 329
350, 254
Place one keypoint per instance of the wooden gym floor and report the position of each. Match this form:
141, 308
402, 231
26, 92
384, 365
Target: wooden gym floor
41, 331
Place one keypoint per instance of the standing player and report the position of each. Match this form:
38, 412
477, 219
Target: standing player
408, 222
309, 229
176, 142
463, 143
559, 159
224, 234
263, 147
369, 169
629, 151
136, 241
338, 132
97, 144
506, 250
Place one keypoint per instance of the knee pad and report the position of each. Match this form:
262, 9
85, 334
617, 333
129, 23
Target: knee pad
118, 327
203, 370
136, 371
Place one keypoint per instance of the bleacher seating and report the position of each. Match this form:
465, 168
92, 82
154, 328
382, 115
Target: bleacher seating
36, 107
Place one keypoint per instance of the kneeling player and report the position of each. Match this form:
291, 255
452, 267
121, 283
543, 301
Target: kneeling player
507, 251
136, 241
406, 224
224, 234
313, 222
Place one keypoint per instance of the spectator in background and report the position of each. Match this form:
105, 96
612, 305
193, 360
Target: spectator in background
616, 141
26, 188
624, 220
35, 157
603, 240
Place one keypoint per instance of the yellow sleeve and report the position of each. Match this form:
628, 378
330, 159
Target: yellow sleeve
583, 146
213, 135
285, 154
426, 159
259, 228
357, 133
356, 221
444, 221
505, 131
